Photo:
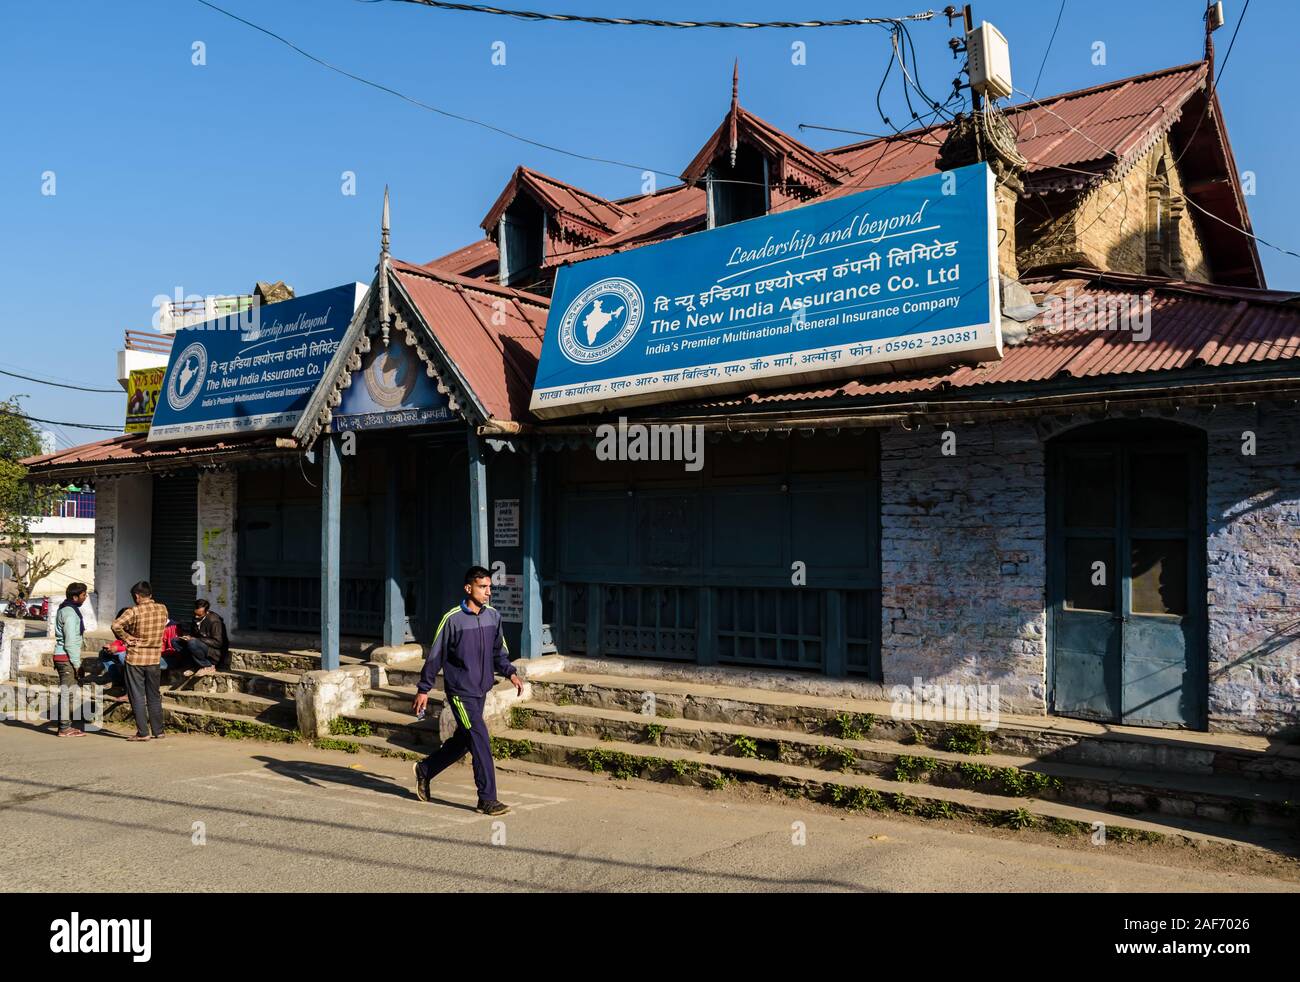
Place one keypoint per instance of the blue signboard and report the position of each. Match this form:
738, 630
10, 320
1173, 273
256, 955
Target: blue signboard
886, 280
391, 389
254, 370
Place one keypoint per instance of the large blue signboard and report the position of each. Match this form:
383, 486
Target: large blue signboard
251, 371
886, 280
391, 389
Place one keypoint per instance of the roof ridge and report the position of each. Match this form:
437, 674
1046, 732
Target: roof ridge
483, 286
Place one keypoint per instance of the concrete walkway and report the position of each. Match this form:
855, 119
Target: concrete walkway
99, 813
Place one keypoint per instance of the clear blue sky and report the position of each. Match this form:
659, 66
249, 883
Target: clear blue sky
210, 177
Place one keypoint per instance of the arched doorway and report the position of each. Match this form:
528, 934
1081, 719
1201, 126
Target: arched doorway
1126, 574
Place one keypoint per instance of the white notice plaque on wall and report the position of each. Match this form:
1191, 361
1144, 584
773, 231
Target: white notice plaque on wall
505, 523
508, 598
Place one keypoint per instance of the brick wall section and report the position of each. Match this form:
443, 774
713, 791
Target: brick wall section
963, 562
1253, 556
217, 494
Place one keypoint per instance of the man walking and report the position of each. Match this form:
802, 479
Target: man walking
141, 628
467, 647
206, 641
68, 631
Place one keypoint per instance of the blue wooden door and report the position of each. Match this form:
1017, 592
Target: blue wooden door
1127, 577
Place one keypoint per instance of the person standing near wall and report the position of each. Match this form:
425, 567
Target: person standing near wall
69, 629
141, 628
467, 647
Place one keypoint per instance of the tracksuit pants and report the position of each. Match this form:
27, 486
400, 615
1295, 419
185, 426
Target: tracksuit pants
471, 735
144, 687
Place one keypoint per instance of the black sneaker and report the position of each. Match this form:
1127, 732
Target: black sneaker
493, 808
421, 782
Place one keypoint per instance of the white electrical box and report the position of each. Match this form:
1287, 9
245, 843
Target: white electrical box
989, 61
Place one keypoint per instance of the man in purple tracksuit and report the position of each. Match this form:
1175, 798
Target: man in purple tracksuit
467, 647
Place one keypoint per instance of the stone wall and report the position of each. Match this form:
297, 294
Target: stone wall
963, 567
963, 542
217, 502
1253, 555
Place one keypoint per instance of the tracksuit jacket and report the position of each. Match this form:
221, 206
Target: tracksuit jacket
467, 648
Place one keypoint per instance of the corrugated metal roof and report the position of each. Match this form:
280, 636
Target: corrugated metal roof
1192, 325
134, 447
1116, 121
492, 334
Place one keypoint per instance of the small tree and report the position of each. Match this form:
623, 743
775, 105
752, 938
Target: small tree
19, 500
34, 567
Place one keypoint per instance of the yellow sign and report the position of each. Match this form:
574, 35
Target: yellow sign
142, 390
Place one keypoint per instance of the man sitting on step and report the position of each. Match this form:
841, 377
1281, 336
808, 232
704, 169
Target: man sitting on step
206, 641
467, 647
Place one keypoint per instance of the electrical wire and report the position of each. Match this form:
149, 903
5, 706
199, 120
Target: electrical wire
59, 385
1043, 63
534, 15
55, 422
1237, 228
1213, 85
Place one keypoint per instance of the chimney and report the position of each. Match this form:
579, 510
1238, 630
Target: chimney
984, 135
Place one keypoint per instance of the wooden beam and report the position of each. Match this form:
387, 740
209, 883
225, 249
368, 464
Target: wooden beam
330, 537
394, 605
531, 637
478, 517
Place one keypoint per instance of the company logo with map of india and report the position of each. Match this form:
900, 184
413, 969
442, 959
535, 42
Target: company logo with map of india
601, 321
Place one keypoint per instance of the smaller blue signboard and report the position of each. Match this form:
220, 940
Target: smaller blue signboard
391, 389
253, 370
886, 280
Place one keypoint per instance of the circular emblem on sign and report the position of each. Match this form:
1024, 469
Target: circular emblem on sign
186, 379
390, 379
601, 321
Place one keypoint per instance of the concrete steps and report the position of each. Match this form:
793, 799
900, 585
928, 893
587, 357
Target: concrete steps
856, 791
1050, 738
1119, 791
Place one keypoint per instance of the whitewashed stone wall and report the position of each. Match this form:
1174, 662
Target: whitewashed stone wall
1253, 555
963, 544
217, 494
963, 564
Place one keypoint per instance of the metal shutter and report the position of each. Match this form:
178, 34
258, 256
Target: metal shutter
175, 542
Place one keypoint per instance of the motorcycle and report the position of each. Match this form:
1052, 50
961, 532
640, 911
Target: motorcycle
16, 608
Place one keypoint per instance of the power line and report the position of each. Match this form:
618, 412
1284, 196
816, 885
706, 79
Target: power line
55, 422
59, 385
534, 15
1043, 63
433, 109
1213, 84
1236, 228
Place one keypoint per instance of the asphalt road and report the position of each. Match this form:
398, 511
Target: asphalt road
197, 812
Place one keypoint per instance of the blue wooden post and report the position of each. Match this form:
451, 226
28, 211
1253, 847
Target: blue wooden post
531, 639
330, 534
478, 517
394, 605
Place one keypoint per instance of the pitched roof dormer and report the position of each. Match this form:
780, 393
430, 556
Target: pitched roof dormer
791, 169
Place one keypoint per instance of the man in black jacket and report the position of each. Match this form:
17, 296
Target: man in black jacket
206, 642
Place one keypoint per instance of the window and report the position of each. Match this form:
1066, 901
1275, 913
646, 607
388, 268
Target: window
521, 240
739, 192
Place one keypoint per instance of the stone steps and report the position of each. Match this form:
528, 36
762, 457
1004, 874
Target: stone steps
856, 791
1167, 795
1043, 739
400, 726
